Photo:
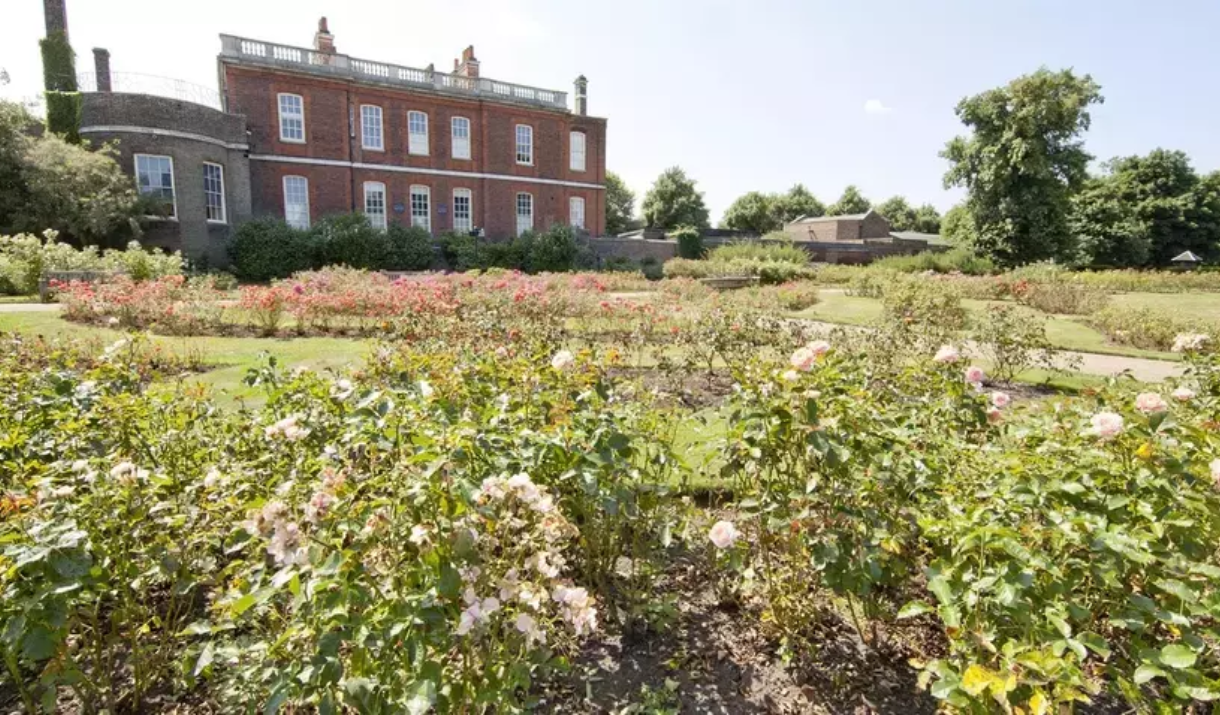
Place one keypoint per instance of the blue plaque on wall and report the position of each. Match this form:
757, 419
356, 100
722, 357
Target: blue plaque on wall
441, 209
399, 207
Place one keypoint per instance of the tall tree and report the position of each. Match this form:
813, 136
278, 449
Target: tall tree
754, 212
851, 202
898, 212
620, 205
1022, 162
796, 203
957, 227
673, 201
927, 219
1146, 210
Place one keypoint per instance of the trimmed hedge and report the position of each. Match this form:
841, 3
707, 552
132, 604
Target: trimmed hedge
268, 248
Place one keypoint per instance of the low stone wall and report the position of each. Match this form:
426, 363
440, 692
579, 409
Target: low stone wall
637, 249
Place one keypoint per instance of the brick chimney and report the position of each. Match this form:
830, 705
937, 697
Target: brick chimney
468, 66
101, 68
56, 16
582, 96
323, 41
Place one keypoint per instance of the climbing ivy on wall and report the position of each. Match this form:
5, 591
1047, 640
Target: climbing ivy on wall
59, 80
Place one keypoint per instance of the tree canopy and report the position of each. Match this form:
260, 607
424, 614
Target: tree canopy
957, 227
851, 202
754, 212
673, 201
620, 205
796, 203
927, 219
1022, 161
46, 182
898, 212
1144, 210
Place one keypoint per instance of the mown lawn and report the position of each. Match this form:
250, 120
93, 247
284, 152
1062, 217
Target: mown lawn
1198, 306
1066, 332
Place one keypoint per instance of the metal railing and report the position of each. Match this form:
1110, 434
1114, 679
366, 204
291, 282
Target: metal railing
139, 83
337, 65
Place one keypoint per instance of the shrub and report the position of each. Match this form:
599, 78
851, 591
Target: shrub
957, 260
1058, 297
25, 258
869, 283
652, 268
349, 240
1013, 340
768, 272
758, 251
1144, 328
410, 248
142, 265
552, 251
268, 248
690, 241
918, 314
461, 251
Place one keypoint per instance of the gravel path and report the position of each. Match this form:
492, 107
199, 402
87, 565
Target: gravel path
28, 307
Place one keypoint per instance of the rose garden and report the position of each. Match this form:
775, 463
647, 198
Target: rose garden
493, 491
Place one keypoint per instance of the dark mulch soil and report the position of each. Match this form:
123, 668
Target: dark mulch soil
723, 663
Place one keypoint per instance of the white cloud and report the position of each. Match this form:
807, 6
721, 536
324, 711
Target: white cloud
875, 106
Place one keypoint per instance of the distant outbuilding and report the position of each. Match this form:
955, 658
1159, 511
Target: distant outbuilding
1186, 261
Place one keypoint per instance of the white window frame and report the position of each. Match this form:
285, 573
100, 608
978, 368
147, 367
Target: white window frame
425, 221
573, 154
417, 142
517, 204
284, 117
377, 220
173, 187
287, 217
467, 224
573, 202
453, 136
372, 130
224, 212
527, 144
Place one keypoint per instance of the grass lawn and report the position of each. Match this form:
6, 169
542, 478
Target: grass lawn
1196, 306
232, 357
1063, 331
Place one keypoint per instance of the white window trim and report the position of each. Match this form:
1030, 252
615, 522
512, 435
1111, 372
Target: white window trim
173, 182
426, 135
224, 207
279, 108
584, 151
453, 142
364, 138
469, 205
384, 223
517, 212
426, 191
284, 186
577, 201
517, 144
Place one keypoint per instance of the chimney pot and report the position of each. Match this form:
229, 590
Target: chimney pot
582, 96
323, 41
101, 68
469, 65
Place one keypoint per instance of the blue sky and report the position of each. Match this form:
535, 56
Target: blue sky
743, 95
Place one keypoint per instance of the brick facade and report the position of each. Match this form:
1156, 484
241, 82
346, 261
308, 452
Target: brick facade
853, 228
334, 161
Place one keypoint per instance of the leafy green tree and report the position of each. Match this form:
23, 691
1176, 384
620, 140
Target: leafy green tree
796, 203
957, 226
898, 212
927, 219
1146, 210
16, 126
673, 201
620, 205
851, 202
1022, 162
754, 212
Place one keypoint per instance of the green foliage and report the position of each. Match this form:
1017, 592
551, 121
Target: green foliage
410, 248
934, 309
1059, 297
1146, 210
58, 63
690, 241
927, 219
81, 194
555, 250
1146, 328
769, 272
753, 212
779, 252
1012, 341
267, 248
957, 260
851, 202
25, 258
1022, 162
349, 240
552, 251
673, 201
63, 115
898, 212
957, 227
620, 205
796, 203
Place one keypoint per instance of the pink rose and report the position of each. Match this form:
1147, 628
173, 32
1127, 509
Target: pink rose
819, 347
974, 375
1150, 403
1183, 394
947, 353
994, 416
723, 534
1106, 425
803, 359
1000, 400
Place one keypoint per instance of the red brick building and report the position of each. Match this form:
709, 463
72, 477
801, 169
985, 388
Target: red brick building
329, 133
